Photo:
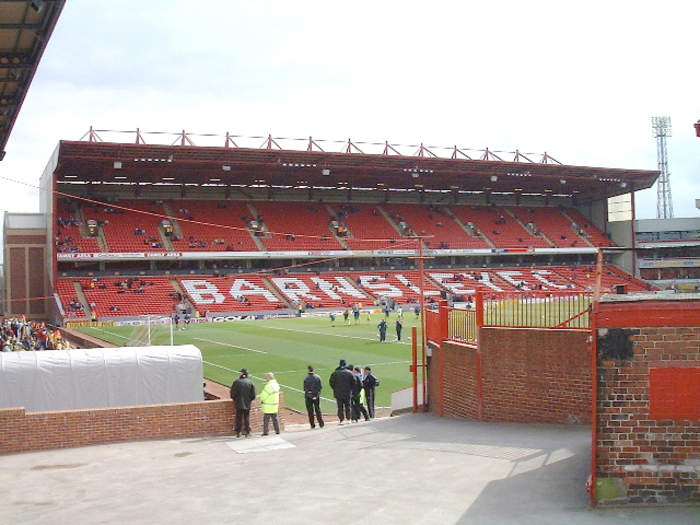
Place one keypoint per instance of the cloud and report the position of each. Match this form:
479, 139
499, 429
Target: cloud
577, 81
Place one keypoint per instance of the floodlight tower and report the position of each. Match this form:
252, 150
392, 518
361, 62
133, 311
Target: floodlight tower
661, 127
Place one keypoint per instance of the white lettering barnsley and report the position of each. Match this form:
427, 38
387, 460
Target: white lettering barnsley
333, 290
243, 287
413, 287
294, 288
199, 288
379, 286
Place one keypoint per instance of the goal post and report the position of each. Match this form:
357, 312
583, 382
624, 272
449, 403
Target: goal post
151, 330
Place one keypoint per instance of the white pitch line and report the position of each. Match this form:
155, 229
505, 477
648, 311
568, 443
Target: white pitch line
107, 332
229, 345
261, 379
334, 335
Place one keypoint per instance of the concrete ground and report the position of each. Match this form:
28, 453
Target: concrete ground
407, 469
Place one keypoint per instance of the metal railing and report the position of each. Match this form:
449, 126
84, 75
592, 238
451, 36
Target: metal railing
461, 325
565, 309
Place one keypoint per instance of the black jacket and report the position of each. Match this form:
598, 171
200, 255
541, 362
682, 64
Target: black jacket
342, 381
242, 393
356, 386
312, 386
369, 382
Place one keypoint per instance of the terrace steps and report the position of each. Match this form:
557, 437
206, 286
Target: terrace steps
466, 230
82, 226
165, 239
177, 229
256, 239
341, 240
583, 237
276, 292
527, 231
81, 297
185, 299
388, 218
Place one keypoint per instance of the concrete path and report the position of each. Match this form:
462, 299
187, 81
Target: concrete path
408, 469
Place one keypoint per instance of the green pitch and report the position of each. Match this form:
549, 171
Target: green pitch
286, 347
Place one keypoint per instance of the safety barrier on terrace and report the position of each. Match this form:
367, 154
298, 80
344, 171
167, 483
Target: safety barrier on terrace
531, 309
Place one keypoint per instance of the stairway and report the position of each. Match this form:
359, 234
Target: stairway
275, 291
81, 297
516, 219
185, 300
177, 229
466, 228
255, 238
390, 220
165, 239
82, 227
341, 240
583, 237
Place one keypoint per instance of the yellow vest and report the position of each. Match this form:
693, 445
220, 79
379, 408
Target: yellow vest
270, 397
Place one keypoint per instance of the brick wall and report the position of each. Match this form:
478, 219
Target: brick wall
21, 431
536, 375
460, 381
648, 414
527, 375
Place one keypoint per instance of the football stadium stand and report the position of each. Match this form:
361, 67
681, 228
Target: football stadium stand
292, 226
250, 292
203, 237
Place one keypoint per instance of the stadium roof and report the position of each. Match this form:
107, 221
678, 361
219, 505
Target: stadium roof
93, 161
25, 29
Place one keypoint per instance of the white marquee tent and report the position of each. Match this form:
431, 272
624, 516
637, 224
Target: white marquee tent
100, 377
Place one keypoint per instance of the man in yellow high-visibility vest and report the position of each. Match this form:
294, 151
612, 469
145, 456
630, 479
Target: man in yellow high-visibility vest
270, 403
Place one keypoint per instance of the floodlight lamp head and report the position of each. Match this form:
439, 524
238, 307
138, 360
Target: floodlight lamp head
661, 126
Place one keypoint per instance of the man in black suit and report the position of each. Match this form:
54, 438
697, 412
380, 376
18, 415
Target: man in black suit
341, 382
312, 396
243, 394
369, 383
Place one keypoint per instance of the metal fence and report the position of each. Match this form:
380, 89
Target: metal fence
538, 309
461, 325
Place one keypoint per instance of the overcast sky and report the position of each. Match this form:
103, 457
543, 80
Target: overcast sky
579, 80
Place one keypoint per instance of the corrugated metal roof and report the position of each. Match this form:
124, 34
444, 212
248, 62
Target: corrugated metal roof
25, 29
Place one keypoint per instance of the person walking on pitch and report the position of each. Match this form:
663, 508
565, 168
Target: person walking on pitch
382, 330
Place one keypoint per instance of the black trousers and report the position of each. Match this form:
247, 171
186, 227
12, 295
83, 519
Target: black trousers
313, 406
398, 334
343, 407
242, 421
266, 423
369, 394
357, 409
